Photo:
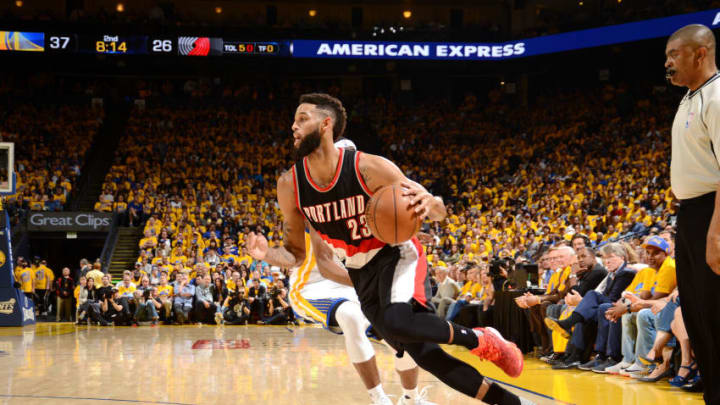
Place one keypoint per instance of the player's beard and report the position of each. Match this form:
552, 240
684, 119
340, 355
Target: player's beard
308, 144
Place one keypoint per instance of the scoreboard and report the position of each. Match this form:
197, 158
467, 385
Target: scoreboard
122, 43
109, 44
119, 44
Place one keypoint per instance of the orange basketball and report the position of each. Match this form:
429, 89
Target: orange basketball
390, 216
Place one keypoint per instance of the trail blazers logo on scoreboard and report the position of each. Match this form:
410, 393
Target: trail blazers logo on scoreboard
6, 307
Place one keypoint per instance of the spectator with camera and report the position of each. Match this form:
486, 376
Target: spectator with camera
236, 309
278, 310
499, 272
112, 311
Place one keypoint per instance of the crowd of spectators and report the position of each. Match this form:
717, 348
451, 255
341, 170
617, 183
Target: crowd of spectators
615, 310
52, 127
199, 181
50, 148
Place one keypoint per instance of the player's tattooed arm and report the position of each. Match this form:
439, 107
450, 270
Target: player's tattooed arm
279, 255
367, 178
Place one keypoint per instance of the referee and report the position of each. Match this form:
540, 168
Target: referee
695, 177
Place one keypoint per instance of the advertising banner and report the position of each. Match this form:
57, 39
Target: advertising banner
614, 34
69, 221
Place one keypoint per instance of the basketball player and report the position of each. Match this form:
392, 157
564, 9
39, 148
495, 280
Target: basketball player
695, 178
335, 305
328, 187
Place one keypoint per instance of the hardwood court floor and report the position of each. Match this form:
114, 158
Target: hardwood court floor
64, 364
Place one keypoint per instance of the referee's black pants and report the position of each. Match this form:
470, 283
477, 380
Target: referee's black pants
699, 290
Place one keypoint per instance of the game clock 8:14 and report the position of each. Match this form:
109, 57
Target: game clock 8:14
115, 44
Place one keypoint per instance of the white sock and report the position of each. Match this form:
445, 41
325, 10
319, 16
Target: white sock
377, 393
412, 394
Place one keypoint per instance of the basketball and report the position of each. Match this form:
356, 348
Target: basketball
390, 216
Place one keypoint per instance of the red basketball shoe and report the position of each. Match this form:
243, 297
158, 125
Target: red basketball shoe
506, 355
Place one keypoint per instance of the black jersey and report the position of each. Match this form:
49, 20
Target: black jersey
337, 212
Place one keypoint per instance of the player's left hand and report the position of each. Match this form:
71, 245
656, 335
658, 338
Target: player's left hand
257, 245
420, 198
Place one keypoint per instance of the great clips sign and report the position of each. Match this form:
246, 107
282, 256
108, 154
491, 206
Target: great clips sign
69, 221
568, 41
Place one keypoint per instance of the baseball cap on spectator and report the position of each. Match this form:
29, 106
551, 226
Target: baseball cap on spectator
658, 242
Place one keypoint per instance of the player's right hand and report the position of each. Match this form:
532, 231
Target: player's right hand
257, 246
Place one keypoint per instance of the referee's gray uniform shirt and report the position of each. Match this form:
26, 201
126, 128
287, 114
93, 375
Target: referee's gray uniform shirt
694, 169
